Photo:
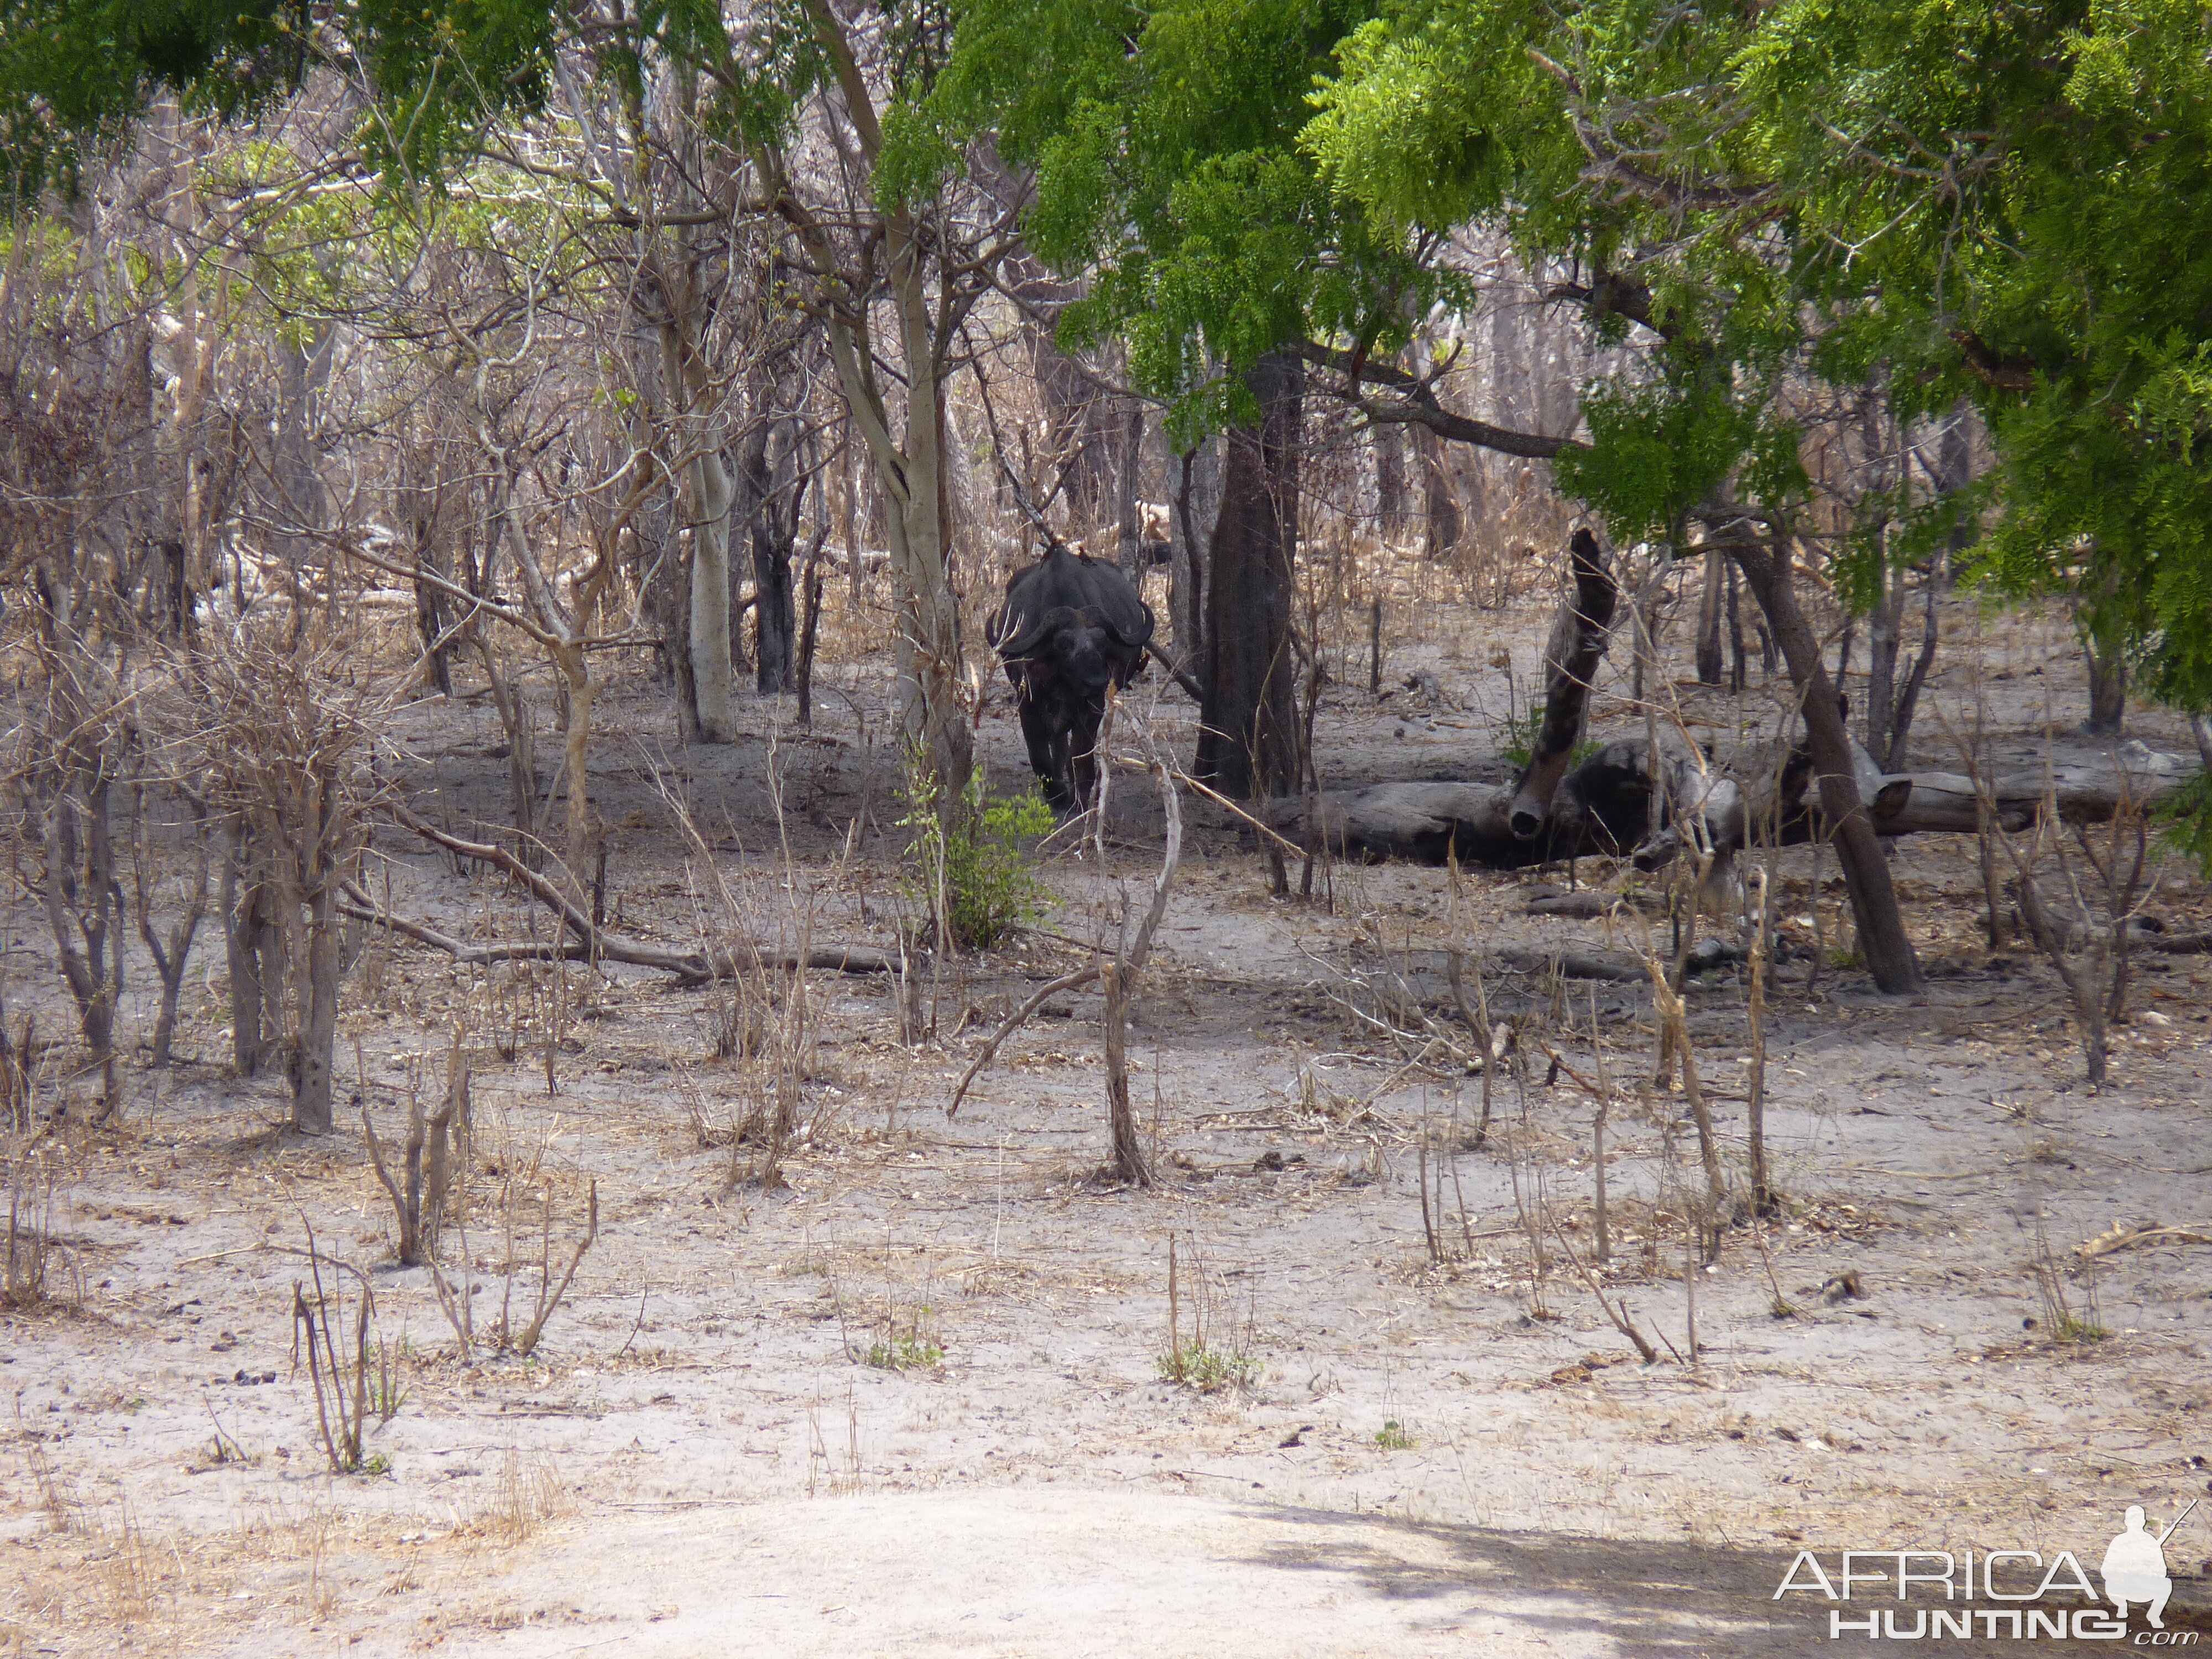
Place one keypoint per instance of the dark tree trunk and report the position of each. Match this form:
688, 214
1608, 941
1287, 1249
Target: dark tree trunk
1440, 503
777, 496
1248, 743
1128, 518
2108, 691
1391, 481
1738, 679
1197, 510
1882, 937
1710, 663
810, 581
1570, 661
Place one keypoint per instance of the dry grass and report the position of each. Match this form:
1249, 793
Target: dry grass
529, 1494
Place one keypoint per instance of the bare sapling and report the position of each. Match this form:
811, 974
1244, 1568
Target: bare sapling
69, 783
41, 1268
169, 949
1130, 952
1615, 1310
1476, 1018
337, 1358
1603, 1235
418, 1188
1206, 1359
2085, 929
513, 1330
1762, 1191
1672, 1016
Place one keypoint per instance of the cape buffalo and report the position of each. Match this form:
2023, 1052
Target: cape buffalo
1070, 629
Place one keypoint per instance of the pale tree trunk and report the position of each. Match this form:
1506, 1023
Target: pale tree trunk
670, 261
706, 479
928, 615
319, 1022
910, 465
1885, 631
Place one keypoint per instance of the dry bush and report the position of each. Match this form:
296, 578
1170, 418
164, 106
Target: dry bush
528, 1496
436, 1146
532, 1279
42, 1270
354, 1377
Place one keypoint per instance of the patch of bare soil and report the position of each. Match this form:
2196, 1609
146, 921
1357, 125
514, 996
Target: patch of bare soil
904, 1383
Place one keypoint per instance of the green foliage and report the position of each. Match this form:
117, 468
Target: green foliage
914, 1349
76, 76
1517, 735
1163, 140
1393, 1437
1980, 200
969, 868
1205, 1370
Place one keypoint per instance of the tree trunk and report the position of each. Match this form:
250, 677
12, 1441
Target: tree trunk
777, 496
1128, 520
1571, 659
1439, 500
713, 673
245, 928
319, 1021
1885, 633
1390, 514
1738, 679
1882, 937
2108, 691
1127, 1148
1197, 510
910, 469
1247, 742
81, 912
1710, 663
810, 628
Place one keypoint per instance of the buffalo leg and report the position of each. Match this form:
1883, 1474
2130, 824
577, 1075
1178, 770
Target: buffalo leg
1048, 758
1083, 745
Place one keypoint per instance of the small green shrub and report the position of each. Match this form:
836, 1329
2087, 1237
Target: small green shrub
1392, 1436
1206, 1369
914, 1349
970, 870
904, 1353
1517, 735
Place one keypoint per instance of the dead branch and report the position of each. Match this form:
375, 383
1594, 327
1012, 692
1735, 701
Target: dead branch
1015, 1021
726, 959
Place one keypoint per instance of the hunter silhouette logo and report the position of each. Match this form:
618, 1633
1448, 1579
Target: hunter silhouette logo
2064, 1604
2134, 1567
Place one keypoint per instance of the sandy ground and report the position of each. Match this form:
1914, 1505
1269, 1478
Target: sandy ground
911, 1400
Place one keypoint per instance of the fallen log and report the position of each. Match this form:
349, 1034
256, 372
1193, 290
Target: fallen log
1601, 807
587, 940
